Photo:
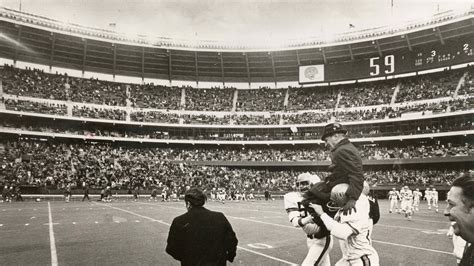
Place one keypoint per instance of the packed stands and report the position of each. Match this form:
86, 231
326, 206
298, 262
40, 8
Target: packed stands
367, 94
263, 99
213, 99
33, 83
206, 119
436, 85
36, 107
313, 98
38, 84
52, 163
99, 113
155, 117
155, 96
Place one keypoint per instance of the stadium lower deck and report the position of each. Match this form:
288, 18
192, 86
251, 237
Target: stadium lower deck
125, 232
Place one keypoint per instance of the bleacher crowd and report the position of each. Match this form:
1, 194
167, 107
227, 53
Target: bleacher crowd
54, 164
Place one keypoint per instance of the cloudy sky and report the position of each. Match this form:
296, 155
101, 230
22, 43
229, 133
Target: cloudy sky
228, 20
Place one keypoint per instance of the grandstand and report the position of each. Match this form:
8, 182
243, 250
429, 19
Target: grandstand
406, 107
405, 94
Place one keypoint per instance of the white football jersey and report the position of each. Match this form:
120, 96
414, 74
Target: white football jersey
417, 195
359, 243
406, 195
392, 195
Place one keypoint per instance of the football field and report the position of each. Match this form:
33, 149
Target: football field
135, 233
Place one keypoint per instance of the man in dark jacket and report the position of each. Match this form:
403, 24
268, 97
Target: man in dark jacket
201, 236
346, 167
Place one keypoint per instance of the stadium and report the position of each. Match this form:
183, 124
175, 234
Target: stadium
87, 106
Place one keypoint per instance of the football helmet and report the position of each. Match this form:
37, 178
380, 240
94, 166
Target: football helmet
338, 197
306, 180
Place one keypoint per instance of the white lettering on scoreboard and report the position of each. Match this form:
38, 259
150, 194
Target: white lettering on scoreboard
311, 73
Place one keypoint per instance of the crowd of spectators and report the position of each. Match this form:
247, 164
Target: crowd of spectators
273, 119
206, 119
99, 113
36, 107
263, 99
366, 94
313, 98
434, 126
422, 177
36, 83
155, 117
96, 91
33, 83
213, 99
306, 118
247, 119
55, 164
430, 86
155, 96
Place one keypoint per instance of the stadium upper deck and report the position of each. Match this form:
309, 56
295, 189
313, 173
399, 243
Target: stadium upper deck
30, 38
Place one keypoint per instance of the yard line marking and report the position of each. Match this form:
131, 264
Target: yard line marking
421, 220
407, 246
239, 247
265, 255
402, 227
139, 215
261, 222
52, 242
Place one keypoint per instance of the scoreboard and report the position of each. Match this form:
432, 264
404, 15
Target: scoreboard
420, 58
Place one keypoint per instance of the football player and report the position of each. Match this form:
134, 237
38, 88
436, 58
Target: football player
318, 238
164, 194
374, 212
428, 197
406, 204
393, 197
434, 198
154, 193
352, 228
416, 199
251, 196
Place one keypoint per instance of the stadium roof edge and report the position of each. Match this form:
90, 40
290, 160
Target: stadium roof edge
48, 24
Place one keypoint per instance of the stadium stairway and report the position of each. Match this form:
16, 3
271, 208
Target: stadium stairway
461, 82
395, 93
234, 100
339, 96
